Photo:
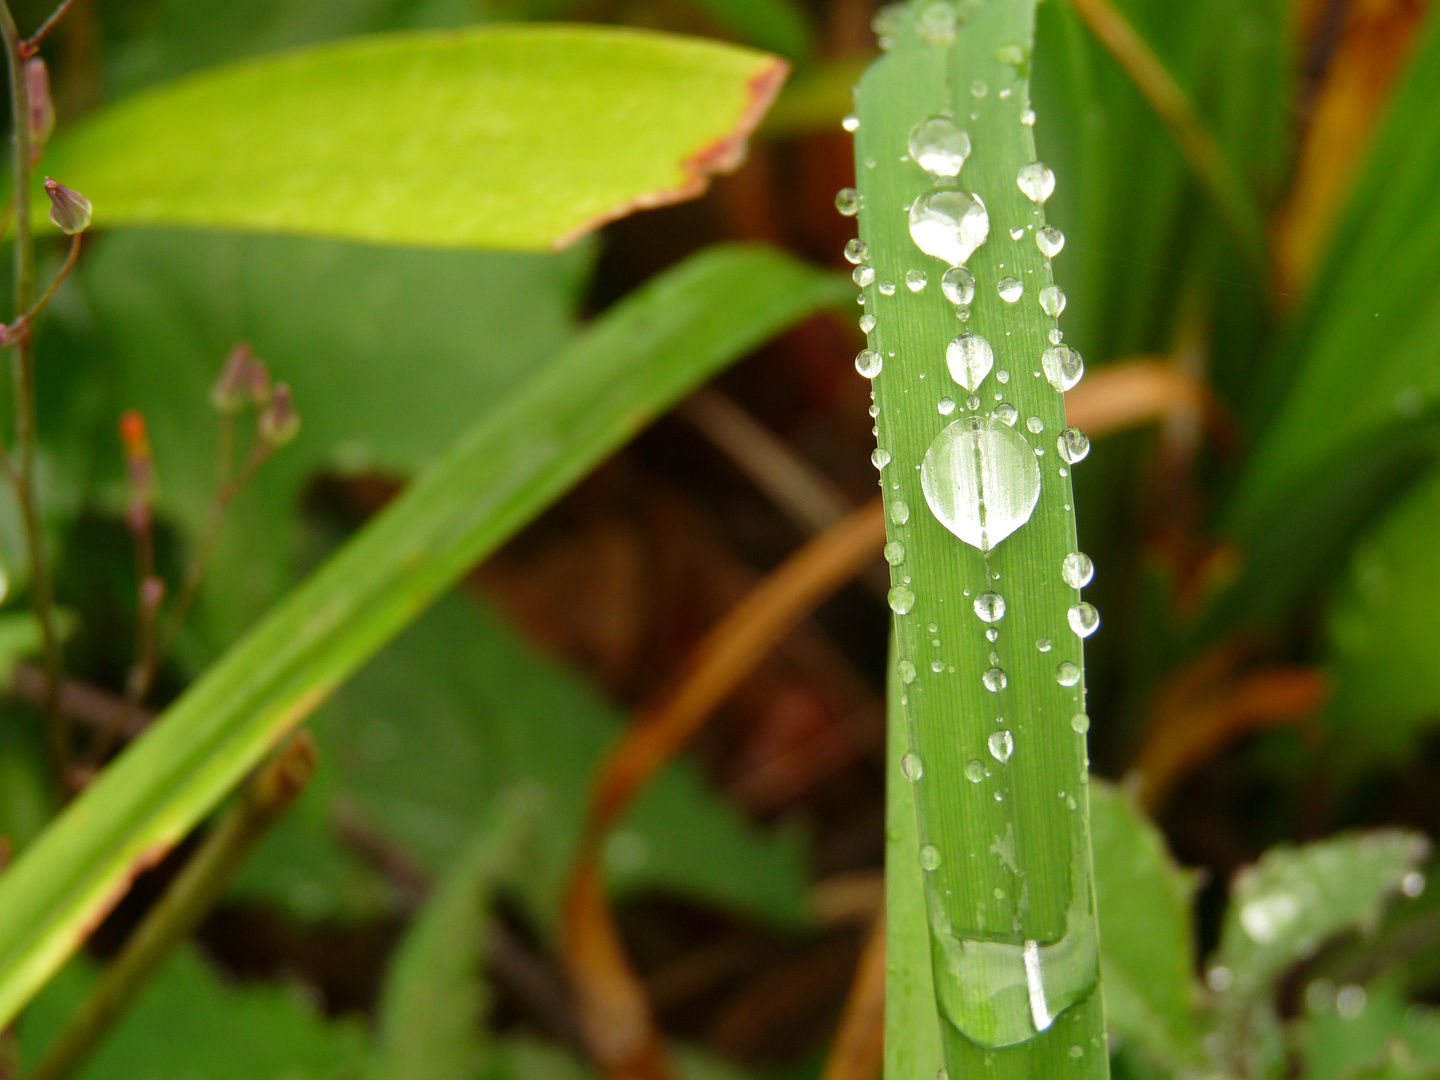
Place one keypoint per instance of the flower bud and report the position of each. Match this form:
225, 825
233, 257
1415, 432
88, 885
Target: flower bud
228, 393
42, 106
257, 382
279, 423
152, 593
69, 210
139, 469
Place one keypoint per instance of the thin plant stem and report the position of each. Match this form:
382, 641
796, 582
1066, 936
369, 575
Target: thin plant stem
23, 370
190, 897
49, 293
31, 45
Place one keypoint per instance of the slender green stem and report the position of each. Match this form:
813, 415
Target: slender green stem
31, 45
192, 894
23, 371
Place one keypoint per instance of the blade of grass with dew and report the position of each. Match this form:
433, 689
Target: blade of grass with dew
975, 463
632, 363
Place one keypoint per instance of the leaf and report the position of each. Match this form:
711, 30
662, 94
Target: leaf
1383, 635
190, 1023
1389, 1037
781, 26
1147, 935
26, 796
633, 362
451, 139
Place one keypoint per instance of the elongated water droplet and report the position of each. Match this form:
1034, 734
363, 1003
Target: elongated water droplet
1077, 569
856, 251
994, 679
894, 553
1063, 366
879, 457
969, 358
911, 767
939, 146
1010, 289
1036, 181
1049, 240
945, 406
980, 480
929, 857
1002, 745
1035, 424
901, 599
847, 201
1083, 618
1068, 673
1007, 414
863, 275
948, 224
990, 607
1080, 723
867, 322
851, 123
868, 362
906, 671
899, 511
1072, 445
915, 280
1052, 301
958, 285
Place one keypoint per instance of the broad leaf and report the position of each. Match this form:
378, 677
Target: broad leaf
500, 137
632, 363
1385, 1036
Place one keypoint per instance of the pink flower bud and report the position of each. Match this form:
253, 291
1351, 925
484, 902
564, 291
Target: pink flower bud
69, 210
42, 106
228, 393
279, 423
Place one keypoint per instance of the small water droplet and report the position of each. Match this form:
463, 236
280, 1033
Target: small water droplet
887, 288
1036, 181
856, 252
1049, 240
867, 322
937, 665
936, 24
990, 607
929, 857
868, 362
1002, 745
1002, 376
901, 599
1010, 289
995, 680
1017, 233
1063, 366
969, 358
1072, 445
1412, 884
899, 511
972, 402
863, 275
850, 123
975, 771
1080, 723
980, 481
1007, 414
948, 224
962, 313
1083, 619
978, 88
991, 634
1056, 335
847, 201
945, 406
1350, 1002
874, 409
894, 553
1035, 424
1219, 978
1068, 673
906, 671
879, 457
1027, 117
939, 146
1076, 1051
1077, 569
1052, 301
958, 285
1043, 644
911, 767
915, 280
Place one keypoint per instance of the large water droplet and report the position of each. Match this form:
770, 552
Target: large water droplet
899, 511
868, 362
911, 767
938, 146
847, 201
995, 679
975, 771
969, 358
1010, 289
958, 285
1002, 745
1036, 181
1063, 366
856, 251
1049, 240
915, 280
1083, 618
901, 598
879, 457
980, 480
1068, 673
894, 553
1077, 569
929, 857
1052, 301
863, 275
990, 607
948, 224
1072, 445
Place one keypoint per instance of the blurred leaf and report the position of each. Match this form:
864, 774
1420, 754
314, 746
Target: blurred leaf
19, 638
1388, 1037
1383, 632
1147, 939
189, 1023
26, 794
651, 348
781, 26
461, 139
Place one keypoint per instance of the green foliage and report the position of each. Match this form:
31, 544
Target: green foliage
463, 139
1388, 1037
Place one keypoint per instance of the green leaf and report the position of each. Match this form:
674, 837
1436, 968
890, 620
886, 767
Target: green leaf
782, 26
632, 363
1388, 1037
190, 1023
460, 139
1147, 938
27, 798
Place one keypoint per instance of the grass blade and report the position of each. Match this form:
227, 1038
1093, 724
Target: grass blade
632, 363
998, 764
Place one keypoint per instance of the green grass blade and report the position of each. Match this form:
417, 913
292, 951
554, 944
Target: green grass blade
498, 137
631, 364
1003, 818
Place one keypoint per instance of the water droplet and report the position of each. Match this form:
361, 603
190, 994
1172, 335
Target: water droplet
863, 275
1076, 1051
899, 511
1002, 745
1063, 366
1067, 674
972, 402
1412, 884
1083, 618
958, 285
1080, 723
856, 251
1072, 445
995, 680
1017, 233
937, 665
1219, 978
879, 457
975, 771
1036, 181
1052, 301
978, 88
980, 481
1077, 569
948, 224
1056, 335
1049, 240
991, 634
847, 201
946, 406
1035, 424
936, 24
1002, 376
1350, 1001
969, 358
929, 857
906, 671
1010, 289
887, 288
894, 553
915, 280
990, 607
939, 146
1043, 644
901, 599
962, 313
874, 409
1027, 117
868, 362
851, 123
867, 322
911, 767
1007, 414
